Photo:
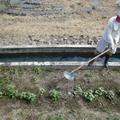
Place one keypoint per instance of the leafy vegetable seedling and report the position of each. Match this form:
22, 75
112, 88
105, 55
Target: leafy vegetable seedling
88, 95
54, 95
77, 91
99, 91
10, 90
110, 94
41, 90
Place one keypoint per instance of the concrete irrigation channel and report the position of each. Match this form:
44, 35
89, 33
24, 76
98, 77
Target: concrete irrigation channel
59, 56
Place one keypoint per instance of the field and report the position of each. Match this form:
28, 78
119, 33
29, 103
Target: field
42, 93
68, 106
81, 19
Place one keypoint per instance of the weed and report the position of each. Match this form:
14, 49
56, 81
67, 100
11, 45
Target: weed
41, 90
34, 79
10, 116
118, 92
49, 117
116, 69
58, 117
54, 95
88, 74
36, 70
77, 91
16, 71
115, 118
3, 82
1, 94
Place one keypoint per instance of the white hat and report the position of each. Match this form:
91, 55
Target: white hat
118, 14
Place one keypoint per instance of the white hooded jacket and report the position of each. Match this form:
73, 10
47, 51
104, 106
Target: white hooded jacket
111, 33
118, 2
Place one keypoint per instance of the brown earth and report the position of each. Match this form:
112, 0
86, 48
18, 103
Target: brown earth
68, 107
80, 18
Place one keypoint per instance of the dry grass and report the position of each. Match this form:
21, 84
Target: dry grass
78, 23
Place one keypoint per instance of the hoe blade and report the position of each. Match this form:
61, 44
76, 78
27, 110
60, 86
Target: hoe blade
68, 74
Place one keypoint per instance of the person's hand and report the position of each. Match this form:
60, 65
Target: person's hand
116, 41
111, 47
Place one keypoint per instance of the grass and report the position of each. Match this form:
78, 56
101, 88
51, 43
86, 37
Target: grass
56, 117
36, 70
73, 24
10, 116
116, 69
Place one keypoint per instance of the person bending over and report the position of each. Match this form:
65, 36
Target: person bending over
109, 40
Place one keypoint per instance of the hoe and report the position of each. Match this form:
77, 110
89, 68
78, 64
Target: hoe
69, 74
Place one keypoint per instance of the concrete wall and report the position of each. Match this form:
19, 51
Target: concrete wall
80, 49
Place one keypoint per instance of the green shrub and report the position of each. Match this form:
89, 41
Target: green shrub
88, 95
110, 94
77, 91
118, 92
99, 91
1, 94
2, 81
10, 90
54, 95
41, 90
28, 96
36, 70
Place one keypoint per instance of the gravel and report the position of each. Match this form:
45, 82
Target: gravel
51, 40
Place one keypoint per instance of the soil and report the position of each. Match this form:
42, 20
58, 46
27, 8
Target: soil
68, 107
81, 22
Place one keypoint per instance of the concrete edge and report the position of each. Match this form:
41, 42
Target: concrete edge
57, 64
49, 49
44, 46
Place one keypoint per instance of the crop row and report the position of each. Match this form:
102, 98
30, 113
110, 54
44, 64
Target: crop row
89, 95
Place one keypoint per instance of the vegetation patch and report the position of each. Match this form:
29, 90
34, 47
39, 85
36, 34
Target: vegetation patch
49, 88
77, 91
55, 95
28, 96
10, 90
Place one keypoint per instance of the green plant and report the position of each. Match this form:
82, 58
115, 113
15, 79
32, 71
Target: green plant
77, 91
3, 81
41, 90
110, 94
88, 95
28, 96
99, 91
58, 117
36, 70
10, 90
1, 94
34, 78
54, 95
116, 69
118, 92
16, 71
